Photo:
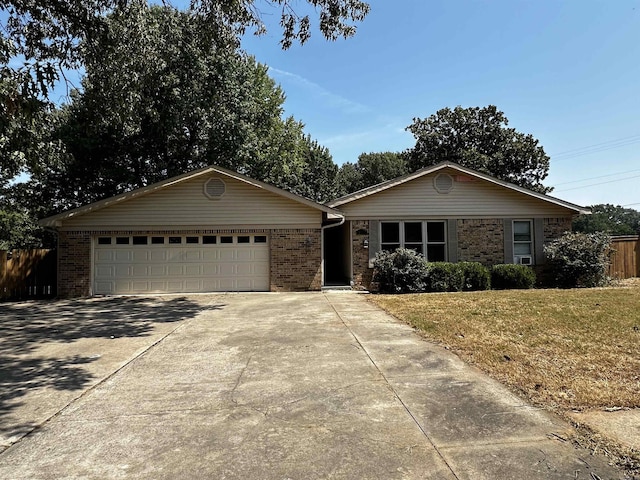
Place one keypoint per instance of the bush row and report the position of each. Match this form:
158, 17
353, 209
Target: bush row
405, 271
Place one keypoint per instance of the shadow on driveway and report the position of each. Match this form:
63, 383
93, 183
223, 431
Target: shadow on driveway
37, 351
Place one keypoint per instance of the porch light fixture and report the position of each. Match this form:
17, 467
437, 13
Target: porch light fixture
365, 243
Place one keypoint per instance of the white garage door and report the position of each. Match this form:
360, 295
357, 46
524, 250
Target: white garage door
180, 264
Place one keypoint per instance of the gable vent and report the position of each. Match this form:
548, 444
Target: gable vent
443, 183
214, 188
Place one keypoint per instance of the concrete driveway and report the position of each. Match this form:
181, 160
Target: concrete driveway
257, 386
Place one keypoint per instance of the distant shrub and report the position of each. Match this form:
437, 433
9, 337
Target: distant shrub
508, 276
476, 276
444, 277
579, 259
400, 271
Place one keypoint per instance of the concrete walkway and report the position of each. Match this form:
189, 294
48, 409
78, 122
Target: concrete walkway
296, 386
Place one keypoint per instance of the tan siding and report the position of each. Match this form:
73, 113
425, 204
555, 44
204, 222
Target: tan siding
185, 205
468, 199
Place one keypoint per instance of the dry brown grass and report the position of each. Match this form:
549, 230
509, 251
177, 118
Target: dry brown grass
567, 349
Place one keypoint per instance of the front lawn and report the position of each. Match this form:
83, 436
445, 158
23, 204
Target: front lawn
566, 349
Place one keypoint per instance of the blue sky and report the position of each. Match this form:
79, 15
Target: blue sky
566, 72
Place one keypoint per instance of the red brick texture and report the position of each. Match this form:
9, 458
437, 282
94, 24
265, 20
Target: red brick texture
295, 260
481, 240
74, 264
362, 274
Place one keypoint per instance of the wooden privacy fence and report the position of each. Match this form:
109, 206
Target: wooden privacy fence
27, 274
625, 260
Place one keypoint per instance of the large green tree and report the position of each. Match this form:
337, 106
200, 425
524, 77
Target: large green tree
42, 38
479, 138
370, 169
611, 219
157, 101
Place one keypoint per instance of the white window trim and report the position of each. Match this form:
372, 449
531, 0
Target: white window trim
425, 240
530, 242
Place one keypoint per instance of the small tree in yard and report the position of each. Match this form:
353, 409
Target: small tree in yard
579, 259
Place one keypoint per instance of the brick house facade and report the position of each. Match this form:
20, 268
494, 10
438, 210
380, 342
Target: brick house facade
259, 237
478, 240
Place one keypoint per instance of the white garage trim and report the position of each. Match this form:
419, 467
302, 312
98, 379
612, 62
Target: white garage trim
181, 263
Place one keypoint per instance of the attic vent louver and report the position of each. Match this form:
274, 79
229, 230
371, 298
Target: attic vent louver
214, 188
443, 183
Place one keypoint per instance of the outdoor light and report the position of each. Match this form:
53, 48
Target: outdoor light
365, 243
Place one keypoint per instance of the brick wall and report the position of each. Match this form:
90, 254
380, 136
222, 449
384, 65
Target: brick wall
481, 240
362, 274
295, 260
555, 227
74, 264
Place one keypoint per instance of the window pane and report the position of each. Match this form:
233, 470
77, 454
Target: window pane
260, 239
192, 240
209, 239
244, 239
139, 240
390, 247
435, 232
104, 241
412, 232
522, 249
122, 240
436, 253
226, 239
157, 240
390, 233
522, 231
175, 239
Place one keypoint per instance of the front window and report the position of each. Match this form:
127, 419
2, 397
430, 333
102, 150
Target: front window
390, 238
436, 242
522, 238
427, 238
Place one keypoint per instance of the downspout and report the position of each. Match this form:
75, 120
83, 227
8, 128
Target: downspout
322, 230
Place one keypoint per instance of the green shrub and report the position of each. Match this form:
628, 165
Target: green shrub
400, 271
579, 259
444, 277
476, 276
509, 276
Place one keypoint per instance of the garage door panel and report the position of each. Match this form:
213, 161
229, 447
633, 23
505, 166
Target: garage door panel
105, 256
157, 255
193, 256
174, 270
157, 270
121, 256
122, 271
191, 270
180, 268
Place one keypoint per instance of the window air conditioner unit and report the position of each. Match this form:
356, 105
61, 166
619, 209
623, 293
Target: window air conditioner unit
523, 260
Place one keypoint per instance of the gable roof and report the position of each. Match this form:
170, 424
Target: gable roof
365, 192
55, 220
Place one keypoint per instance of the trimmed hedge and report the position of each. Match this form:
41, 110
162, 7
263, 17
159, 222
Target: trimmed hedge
476, 276
444, 277
508, 276
405, 271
